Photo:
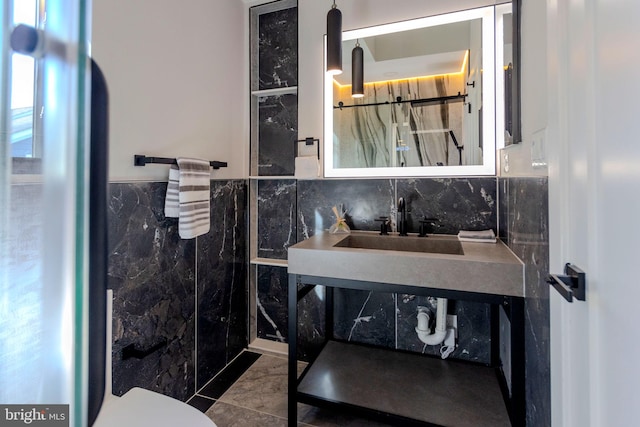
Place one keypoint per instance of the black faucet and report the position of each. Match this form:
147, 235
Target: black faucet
426, 224
384, 223
402, 217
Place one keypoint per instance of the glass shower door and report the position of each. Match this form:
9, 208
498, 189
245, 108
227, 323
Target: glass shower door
43, 213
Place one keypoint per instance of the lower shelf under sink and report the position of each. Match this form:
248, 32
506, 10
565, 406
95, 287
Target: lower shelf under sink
447, 393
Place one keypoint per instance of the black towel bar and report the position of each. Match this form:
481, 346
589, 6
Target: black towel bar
311, 141
142, 160
131, 351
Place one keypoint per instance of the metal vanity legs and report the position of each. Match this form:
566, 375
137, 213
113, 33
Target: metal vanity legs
512, 305
292, 329
517, 411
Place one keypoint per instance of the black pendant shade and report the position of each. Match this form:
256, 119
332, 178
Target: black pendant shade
357, 72
334, 40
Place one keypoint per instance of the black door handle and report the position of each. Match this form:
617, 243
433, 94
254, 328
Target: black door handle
571, 284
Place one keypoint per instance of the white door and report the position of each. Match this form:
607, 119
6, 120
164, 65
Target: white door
594, 203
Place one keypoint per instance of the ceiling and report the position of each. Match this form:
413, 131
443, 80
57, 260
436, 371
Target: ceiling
414, 53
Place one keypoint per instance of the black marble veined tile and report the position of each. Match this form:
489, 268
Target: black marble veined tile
365, 317
278, 49
152, 273
277, 134
273, 312
527, 224
272, 303
503, 210
364, 200
276, 218
458, 203
311, 324
221, 281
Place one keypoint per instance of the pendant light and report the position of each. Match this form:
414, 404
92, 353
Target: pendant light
334, 40
357, 71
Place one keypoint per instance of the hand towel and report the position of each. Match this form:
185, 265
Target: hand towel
171, 201
483, 236
195, 179
307, 167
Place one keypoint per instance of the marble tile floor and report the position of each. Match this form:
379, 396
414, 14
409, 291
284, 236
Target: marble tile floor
252, 392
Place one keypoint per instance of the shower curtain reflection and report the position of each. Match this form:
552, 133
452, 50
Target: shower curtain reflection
380, 131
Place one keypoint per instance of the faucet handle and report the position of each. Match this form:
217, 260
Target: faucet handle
424, 225
384, 222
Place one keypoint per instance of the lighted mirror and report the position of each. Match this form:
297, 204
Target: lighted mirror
429, 107
508, 116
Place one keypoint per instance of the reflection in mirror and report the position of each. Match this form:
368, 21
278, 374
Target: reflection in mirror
428, 107
506, 126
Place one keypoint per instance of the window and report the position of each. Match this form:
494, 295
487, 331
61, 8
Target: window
26, 115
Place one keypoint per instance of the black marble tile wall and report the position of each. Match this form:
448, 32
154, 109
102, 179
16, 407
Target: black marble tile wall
278, 49
389, 320
221, 284
273, 312
272, 297
524, 214
503, 211
365, 316
458, 203
474, 329
311, 322
274, 65
277, 134
364, 201
153, 274
277, 228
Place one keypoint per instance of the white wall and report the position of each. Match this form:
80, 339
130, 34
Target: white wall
355, 14
177, 74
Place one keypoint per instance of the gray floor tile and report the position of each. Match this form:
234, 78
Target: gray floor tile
226, 415
262, 388
259, 398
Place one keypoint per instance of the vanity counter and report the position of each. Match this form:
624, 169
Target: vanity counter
484, 268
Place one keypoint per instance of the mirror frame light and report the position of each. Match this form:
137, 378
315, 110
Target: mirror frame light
488, 167
501, 11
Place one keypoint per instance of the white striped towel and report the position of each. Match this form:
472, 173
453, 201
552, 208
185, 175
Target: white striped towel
193, 197
195, 180
171, 201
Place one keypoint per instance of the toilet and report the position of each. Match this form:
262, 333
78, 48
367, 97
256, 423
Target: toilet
140, 407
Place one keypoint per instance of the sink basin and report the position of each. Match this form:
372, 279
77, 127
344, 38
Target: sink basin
433, 245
